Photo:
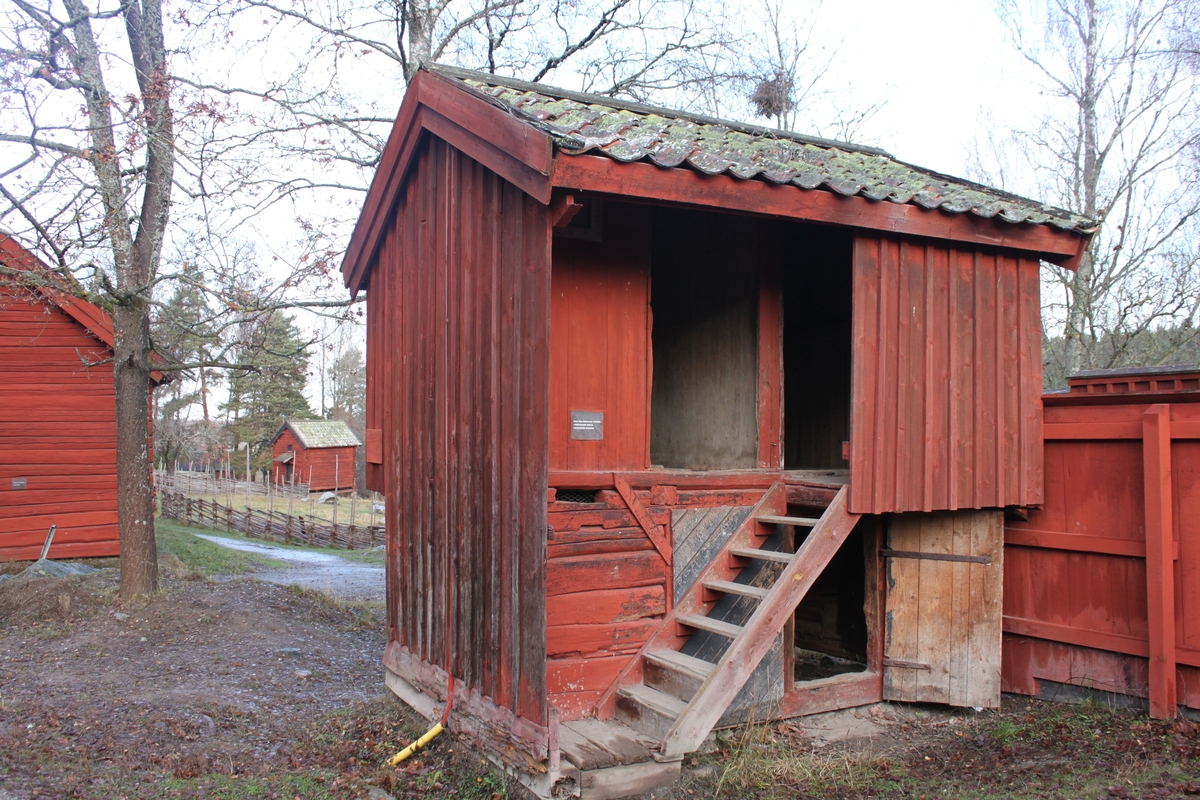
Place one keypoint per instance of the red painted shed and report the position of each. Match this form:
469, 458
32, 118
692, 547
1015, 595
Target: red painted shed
318, 452
58, 434
671, 413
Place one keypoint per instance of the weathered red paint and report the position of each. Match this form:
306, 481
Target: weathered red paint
458, 356
947, 378
324, 469
58, 429
481, 340
1102, 584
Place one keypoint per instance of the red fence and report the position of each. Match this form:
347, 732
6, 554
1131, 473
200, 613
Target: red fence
1102, 583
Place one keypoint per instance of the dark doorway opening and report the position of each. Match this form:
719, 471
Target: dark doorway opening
817, 284
830, 625
704, 296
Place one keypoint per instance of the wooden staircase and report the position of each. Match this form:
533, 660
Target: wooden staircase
677, 699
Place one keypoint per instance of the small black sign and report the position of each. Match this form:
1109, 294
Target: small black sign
587, 425
18, 483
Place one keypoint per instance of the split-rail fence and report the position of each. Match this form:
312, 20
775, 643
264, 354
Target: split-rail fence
273, 525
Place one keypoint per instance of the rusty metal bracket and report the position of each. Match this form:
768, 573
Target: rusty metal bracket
886, 553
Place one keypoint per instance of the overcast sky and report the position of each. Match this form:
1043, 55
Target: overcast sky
944, 66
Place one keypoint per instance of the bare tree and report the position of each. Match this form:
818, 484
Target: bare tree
1114, 145
784, 75
95, 157
127, 144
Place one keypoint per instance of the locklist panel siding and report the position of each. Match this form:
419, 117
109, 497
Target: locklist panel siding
947, 379
57, 432
458, 365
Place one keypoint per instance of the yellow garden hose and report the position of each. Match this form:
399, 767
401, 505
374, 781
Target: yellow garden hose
430, 734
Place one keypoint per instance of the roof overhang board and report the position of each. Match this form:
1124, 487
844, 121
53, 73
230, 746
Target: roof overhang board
513, 149
649, 182
87, 314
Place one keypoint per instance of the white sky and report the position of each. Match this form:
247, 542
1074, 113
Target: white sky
942, 65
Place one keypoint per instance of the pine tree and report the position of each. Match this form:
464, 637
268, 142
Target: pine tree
269, 387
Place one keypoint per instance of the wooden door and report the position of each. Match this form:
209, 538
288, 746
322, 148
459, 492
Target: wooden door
944, 609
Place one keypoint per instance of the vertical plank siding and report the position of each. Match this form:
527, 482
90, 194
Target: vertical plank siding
942, 637
947, 377
458, 360
600, 343
1080, 606
57, 432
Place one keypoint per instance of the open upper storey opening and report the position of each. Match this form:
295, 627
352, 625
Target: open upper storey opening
698, 340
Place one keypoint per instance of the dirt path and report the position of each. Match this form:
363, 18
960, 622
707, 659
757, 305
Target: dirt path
237, 689
321, 572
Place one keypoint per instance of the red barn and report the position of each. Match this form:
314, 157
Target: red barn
682, 421
318, 452
58, 431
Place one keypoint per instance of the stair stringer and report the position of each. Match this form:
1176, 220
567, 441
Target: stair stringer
747, 650
694, 601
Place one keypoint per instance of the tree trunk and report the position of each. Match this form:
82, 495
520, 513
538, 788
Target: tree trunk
135, 499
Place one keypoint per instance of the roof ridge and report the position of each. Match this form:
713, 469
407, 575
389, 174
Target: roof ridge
645, 108
580, 123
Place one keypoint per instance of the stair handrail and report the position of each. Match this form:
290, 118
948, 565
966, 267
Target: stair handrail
744, 653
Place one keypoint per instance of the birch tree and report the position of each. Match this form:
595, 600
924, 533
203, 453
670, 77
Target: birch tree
1117, 143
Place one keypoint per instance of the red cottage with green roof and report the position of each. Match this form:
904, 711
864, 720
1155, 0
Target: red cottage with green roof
317, 452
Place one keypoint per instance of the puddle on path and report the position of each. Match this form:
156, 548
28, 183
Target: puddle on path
337, 577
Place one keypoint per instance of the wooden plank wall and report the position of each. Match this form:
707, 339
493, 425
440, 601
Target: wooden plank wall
57, 431
324, 469
1078, 597
458, 361
600, 342
705, 294
606, 591
942, 637
947, 378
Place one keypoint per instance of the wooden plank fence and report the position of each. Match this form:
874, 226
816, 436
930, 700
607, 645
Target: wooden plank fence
273, 525
1101, 583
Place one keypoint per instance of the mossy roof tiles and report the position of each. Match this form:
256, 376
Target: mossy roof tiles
581, 123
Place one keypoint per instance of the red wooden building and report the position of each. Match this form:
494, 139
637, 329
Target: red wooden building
58, 430
659, 401
318, 452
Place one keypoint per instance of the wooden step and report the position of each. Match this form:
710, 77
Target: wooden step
674, 673
746, 650
648, 710
742, 589
799, 522
761, 555
709, 624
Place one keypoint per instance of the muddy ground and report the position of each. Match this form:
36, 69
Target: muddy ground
236, 688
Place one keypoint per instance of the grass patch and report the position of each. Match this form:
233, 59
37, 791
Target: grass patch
1029, 750
362, 613
272, 787
372, 557
185, 555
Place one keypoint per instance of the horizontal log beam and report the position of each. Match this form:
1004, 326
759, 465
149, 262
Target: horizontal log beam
648, 182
